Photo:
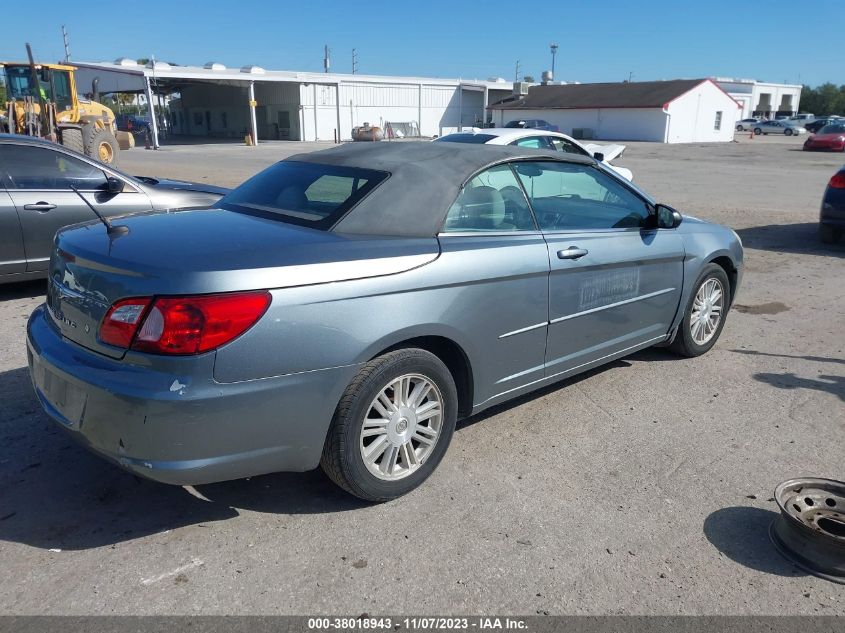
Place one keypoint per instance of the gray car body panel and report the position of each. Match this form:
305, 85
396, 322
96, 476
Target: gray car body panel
519, 315
28, 233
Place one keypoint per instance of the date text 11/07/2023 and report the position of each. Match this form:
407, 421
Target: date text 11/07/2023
370, 623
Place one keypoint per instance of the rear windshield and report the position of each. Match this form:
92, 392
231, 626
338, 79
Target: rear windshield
466, 138
308, 194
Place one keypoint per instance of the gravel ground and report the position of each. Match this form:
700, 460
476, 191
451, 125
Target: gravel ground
641, 488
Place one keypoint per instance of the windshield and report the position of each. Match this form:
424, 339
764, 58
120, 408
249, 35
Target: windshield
309, 194
19, 82
836, 128
519, 124
466, 138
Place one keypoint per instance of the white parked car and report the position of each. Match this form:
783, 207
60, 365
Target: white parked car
747, 124
541, 139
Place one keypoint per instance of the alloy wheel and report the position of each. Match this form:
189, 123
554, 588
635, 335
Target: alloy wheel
706, 313
401, 427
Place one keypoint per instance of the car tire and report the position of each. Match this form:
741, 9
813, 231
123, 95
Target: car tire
103, 147
787, 132
347, 442
689, 341
829, 234
72, 139
758, 131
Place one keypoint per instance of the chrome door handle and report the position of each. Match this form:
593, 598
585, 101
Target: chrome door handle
573, 252
39, 206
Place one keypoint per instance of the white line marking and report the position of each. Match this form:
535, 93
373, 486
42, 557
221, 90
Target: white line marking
196, 562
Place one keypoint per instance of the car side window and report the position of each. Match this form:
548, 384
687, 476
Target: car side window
41, 168
574, 197
533, 142
491, 201
568, 147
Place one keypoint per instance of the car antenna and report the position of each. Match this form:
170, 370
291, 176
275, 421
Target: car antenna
111, 229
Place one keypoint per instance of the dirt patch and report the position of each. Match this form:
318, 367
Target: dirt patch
774, 307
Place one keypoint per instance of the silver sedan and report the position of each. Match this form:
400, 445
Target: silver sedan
778, 127
344, 308
37, 199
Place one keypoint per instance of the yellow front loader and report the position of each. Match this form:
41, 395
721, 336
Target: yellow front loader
42, 101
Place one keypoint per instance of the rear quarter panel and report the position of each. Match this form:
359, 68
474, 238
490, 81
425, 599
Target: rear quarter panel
469, 296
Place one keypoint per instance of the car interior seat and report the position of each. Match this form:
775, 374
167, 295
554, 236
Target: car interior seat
484, 208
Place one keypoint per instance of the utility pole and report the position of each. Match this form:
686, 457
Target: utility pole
354, 61
67, 43
516, 71
630, 76
553, 48
327, 62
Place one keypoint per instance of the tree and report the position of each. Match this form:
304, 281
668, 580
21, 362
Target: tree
823, 100
2, 94
528, 78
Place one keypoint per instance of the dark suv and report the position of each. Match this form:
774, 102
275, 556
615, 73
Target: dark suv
534, 124
832, 214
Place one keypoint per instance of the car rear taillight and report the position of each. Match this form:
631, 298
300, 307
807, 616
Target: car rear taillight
182, 325
122, 320
838, 181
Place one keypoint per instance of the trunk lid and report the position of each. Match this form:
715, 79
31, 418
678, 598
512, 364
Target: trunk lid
201, 252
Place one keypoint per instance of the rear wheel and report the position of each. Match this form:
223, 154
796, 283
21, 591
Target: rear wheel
392, 426
788, 132
705, 313
829, 234
72, 139
103, 147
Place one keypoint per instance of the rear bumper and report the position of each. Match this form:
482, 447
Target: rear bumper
182, 428
833, 208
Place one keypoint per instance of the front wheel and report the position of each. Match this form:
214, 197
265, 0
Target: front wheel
103, 147
758, 131
392, 426
739, 128
704, 316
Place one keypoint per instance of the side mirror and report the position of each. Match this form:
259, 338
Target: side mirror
667, 217
599, 156
114, 185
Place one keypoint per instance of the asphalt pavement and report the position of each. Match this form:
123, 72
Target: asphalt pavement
644, 487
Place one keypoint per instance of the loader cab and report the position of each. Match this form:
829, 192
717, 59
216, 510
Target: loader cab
55, 83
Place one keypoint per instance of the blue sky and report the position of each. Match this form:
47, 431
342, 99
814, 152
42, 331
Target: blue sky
599, 41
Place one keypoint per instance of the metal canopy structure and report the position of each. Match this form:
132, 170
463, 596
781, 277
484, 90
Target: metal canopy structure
127, 76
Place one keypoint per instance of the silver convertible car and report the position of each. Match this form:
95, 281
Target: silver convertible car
345, 307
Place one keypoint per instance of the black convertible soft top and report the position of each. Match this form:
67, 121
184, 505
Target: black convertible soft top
425, 179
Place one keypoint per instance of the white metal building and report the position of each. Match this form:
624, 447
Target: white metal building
221, 102
677, 111
762, 99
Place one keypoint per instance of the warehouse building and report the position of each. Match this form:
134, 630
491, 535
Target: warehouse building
219, 102
677, 111
762, 99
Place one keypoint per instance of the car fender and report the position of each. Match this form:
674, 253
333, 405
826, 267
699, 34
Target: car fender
703, 248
